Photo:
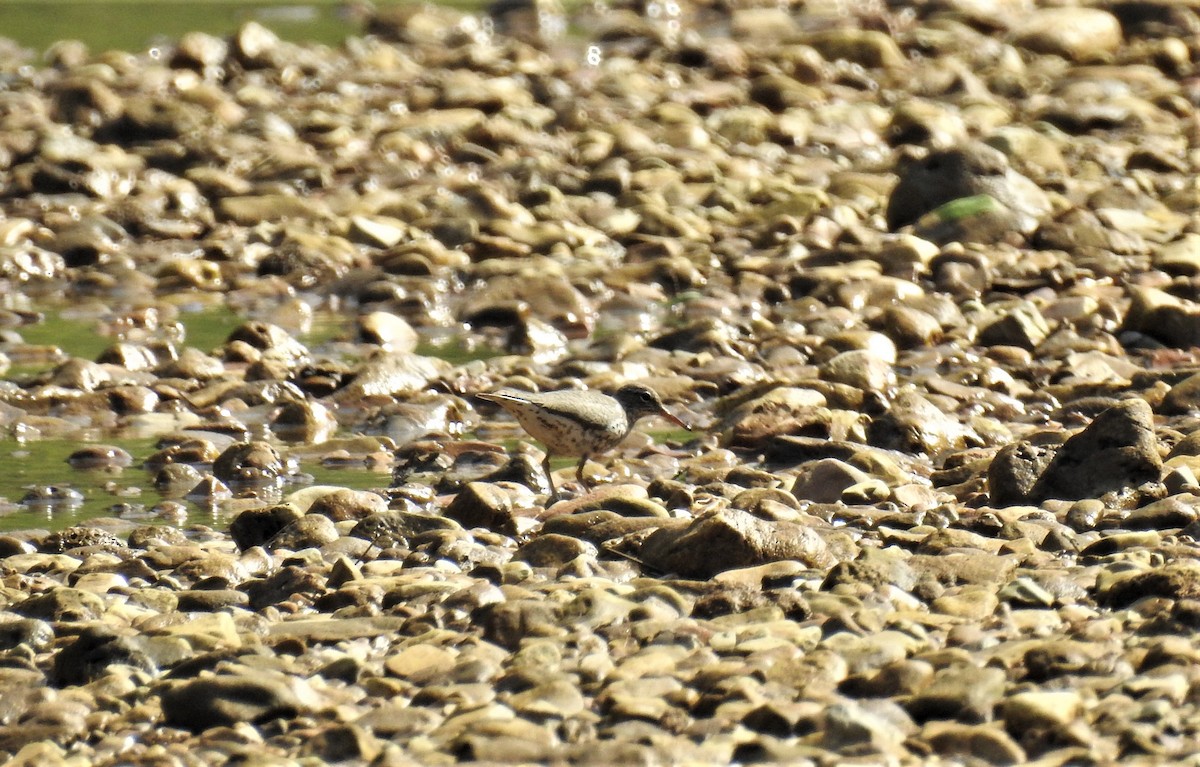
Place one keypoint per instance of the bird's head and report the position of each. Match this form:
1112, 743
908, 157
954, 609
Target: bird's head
640, 401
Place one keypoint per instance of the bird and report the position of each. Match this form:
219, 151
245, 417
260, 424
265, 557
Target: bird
580, 422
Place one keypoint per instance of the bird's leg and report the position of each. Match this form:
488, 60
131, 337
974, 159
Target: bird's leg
549, 477
579, 472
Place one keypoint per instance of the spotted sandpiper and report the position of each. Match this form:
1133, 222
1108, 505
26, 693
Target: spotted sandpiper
576, 422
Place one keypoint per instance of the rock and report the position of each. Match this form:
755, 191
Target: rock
986, 742
88, 657
508, 623
1083, 35
558, 699
965, 693
1174, 512
311, 530
1181, 256
37, 634
389, 374
825, 480
484, 505
866, 47
1180, 581
343, 504
391, 528
331, 631
255, 45
1162, 316
728, 539
255, 527
913, 423
100, 457
1013, 473
210, 600
1027, 710
600, 526
898, 678
149, 536
552, 550
966, 171
305, 422
61, 604
1117, 452
860, 368
226, 700
342, 743
873, 568
979, 218
249, 463
880, 726
283, 584
1022, 325
421, 663
1184, 397
387, 330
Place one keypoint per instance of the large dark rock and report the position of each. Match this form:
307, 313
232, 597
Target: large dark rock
1116, 452
36, 634
250, 463
727, 539
966, 693
311, 530
1164, 317
94, 650
392, 528
281, 585
1014, 471
964, 171
481, 504
255, 527
61, 604
345, 503
228, 700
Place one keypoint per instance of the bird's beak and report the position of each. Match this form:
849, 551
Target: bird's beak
674, 419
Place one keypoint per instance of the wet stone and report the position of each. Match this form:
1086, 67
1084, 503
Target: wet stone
87, 657
255, 527
63, 604
728, 539
966, 694
484, 505
226, 700
37, 634
79, 537
344, 504
311, 530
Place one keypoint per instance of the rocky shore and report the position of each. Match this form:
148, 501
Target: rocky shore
926, 277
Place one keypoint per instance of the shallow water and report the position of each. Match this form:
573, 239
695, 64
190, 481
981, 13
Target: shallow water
84, 331
125, 493
136, 25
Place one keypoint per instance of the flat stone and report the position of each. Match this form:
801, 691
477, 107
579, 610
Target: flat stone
328, 630
227, 699
967, 694
420, 662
